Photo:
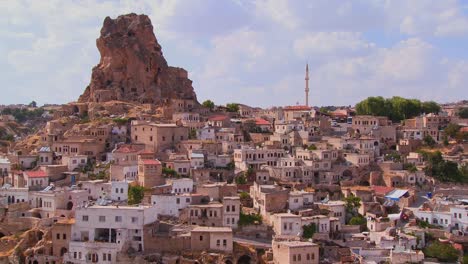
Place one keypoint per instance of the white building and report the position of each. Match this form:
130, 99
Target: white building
97, 189
206, 133
179, 186
459, 215
76, 161
119, 190
197, 160
231, 211
299, 199
287, 224
169, 204
100, 232
337, 209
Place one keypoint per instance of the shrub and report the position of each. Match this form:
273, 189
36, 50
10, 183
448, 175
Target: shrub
135, 194
442, 251
309, 230
249, 219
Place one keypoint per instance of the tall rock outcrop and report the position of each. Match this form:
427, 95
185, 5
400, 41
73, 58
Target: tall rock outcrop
132, 66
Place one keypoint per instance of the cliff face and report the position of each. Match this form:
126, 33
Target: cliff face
132, 66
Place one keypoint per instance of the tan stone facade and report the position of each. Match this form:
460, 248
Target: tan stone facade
158, 137
150, 173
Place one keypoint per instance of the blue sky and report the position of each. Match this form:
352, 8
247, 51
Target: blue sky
249, 51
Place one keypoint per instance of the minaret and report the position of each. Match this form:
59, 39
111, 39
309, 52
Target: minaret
307, 85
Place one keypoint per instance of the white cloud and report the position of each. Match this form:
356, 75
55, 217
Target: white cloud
436, 18
331, 43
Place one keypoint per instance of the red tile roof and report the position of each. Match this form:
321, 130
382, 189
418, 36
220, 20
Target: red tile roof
218, 118
298, 108
126, 149
36, 174
146, 152
151, 162
262, 122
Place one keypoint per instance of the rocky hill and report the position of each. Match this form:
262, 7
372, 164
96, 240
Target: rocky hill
132, 66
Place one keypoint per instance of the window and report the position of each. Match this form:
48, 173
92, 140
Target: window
109, 257
201, 238
308, 256
102, 218
299, 257
233, 208
118, 218
224, 242
104, 256
85, 218
64, 236
58, 236
218, 242
294, 257
134, 219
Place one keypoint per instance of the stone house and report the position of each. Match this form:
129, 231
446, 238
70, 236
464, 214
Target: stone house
158, 137
150, 173
292, 252
219, 121
287, 224
269, 198
214, 213
61, 235
217, 239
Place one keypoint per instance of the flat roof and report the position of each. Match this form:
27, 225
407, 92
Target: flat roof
211, 229
297, 243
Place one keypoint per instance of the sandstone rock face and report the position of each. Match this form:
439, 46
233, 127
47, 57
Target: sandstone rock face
132, 66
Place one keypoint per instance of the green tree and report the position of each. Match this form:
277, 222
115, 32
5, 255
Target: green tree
324, 110
244, 195
135, 194
232, 107
451, 130
429, 141
442, 251
193, 133
396, 108
463, 112
410, 167
249, 219
168, 172
309, 230
358, 220
430, 107
443, 170
352, 203
32, 104
241, 179
312, 147
209, 104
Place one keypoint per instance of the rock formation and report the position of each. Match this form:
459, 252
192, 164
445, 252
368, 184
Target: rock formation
132, 66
